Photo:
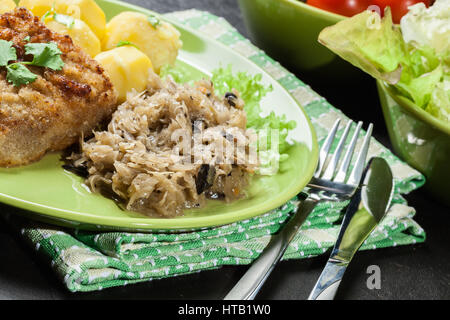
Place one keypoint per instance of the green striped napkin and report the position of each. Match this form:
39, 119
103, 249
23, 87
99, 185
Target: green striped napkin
88, 261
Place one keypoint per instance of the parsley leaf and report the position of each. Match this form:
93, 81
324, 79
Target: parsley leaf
47, 14
68, 21
122, 43
7, 52
27, 39
45, 55
154, 20
18, 74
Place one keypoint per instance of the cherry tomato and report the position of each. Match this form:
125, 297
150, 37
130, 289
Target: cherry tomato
398, 7
344, 7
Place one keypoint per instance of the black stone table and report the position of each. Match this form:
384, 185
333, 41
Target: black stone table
411, 272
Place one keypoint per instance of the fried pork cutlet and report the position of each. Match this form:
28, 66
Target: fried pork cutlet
52, 112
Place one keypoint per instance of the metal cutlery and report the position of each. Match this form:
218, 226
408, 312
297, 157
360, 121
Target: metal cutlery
366, 209
329, 183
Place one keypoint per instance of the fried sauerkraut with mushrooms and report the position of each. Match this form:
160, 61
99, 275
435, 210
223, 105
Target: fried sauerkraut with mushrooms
170, 148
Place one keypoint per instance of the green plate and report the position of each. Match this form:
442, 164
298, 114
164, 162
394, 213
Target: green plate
49, 193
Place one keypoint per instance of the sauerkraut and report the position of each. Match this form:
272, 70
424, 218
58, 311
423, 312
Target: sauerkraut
170, 148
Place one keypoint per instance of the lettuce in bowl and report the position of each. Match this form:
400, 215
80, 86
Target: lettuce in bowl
418, 70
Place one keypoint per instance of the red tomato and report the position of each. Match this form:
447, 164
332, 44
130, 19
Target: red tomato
344, 7
398, 7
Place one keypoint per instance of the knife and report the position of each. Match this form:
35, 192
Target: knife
366, 209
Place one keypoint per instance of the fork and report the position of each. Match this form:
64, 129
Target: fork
329, 183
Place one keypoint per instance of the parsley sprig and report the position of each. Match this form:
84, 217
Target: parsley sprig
66, 20
18, 74
45, 55
7, 52
153, 20
122, 43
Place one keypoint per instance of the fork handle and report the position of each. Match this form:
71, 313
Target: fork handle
251, 282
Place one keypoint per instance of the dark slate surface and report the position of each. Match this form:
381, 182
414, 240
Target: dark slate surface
411, 272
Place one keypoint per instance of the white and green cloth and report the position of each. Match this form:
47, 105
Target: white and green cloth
88, 261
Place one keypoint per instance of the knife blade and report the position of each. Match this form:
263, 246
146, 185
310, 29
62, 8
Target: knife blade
366, 209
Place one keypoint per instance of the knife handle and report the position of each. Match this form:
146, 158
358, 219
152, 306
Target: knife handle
251, 282
328, 283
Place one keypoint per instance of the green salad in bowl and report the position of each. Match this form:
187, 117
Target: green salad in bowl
414, 56
411, 62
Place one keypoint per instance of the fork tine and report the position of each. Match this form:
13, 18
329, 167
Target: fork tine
355, 176
331, 167
342, 172
326, 148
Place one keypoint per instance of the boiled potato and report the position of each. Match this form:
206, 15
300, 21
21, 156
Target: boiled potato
90, 13
37, 7
86, 10
127, 67
80, 33
160, 42
7, 5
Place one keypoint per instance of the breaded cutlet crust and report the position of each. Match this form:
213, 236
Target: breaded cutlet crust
52, 112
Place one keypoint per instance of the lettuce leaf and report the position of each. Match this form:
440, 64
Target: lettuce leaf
439, 105
428, 26
368, 42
